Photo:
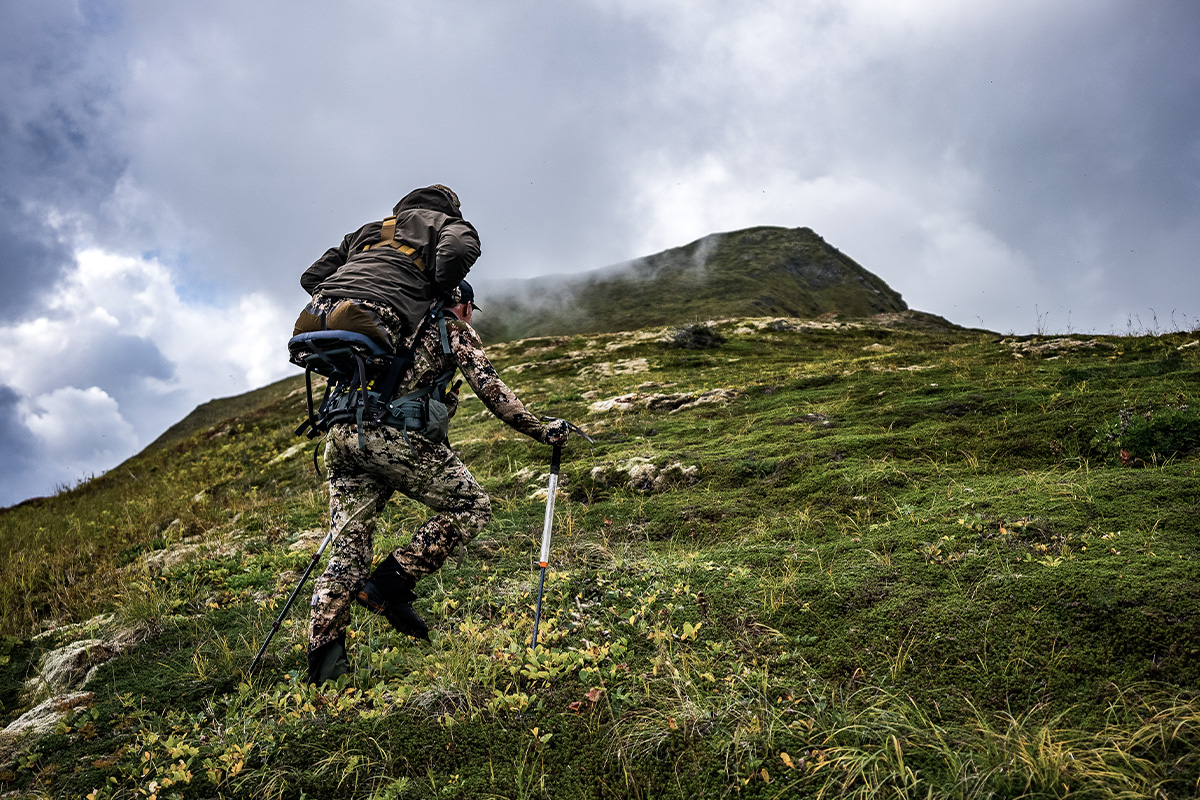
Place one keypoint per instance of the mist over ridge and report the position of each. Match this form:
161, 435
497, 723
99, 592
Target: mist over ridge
759, 271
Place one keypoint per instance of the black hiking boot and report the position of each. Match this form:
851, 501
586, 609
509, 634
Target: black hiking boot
389, 592
328, 662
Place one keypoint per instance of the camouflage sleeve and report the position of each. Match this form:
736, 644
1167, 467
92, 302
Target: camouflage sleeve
481, 375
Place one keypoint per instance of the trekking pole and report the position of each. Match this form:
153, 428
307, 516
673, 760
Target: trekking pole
358, 512
548, 523
287, 606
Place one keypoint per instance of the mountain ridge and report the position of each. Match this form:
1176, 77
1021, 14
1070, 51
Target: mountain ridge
759, 271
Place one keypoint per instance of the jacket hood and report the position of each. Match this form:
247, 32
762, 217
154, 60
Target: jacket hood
431, 198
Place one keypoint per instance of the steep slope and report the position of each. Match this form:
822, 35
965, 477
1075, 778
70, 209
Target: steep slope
855, 559
754, 272
220, 409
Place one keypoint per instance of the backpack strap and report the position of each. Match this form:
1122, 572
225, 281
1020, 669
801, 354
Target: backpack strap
364, 400
387, 238
441, 315
399, 365
311, 422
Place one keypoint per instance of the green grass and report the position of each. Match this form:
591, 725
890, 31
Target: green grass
923, 568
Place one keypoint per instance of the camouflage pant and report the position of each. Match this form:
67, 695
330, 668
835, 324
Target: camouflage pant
360, 483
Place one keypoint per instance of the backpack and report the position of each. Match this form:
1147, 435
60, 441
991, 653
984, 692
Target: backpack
361, 376
361, 373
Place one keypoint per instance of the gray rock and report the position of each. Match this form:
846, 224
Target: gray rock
25, 731
68, 667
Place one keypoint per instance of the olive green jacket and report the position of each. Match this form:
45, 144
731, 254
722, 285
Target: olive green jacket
447, 244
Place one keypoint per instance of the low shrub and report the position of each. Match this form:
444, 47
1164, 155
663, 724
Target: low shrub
1149, 437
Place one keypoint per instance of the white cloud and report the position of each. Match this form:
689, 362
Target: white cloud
224, 348
81, 431
116, 355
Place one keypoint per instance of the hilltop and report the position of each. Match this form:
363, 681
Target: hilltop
751, 272
764, 271
858, 557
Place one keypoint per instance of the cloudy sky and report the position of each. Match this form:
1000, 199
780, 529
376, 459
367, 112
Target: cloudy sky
169, 169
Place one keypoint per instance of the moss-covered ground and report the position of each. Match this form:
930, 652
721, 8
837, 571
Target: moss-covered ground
892, 559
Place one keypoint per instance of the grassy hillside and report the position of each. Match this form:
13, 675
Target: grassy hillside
886, 558
215, 411
761, 271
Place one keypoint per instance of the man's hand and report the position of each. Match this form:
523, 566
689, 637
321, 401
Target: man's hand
556, 432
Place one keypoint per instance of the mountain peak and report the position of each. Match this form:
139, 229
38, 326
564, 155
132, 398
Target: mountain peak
762, 271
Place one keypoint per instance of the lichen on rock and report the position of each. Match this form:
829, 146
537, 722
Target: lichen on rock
655, 401
68, 667
37, 723
643, 475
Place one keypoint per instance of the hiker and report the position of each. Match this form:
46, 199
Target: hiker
367, 465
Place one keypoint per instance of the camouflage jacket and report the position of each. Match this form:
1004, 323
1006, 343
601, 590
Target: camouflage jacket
466, 354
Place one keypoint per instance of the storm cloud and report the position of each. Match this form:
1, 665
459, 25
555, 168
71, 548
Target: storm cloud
168, 170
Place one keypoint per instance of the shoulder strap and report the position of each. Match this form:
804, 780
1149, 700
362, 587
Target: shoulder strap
445, 335
387, 238
402, 360
388, 234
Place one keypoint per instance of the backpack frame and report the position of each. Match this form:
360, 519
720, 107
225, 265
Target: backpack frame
361, 376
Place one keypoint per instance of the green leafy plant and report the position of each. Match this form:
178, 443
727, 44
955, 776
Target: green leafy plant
1150, 436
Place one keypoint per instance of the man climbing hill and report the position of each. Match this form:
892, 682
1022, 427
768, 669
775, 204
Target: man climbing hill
414, 460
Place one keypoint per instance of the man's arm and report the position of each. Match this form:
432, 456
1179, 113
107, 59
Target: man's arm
488, 387
326, 265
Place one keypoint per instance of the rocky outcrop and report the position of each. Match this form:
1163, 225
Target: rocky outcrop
40, 721
69, 667
62, 674
643, 475
679, 401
